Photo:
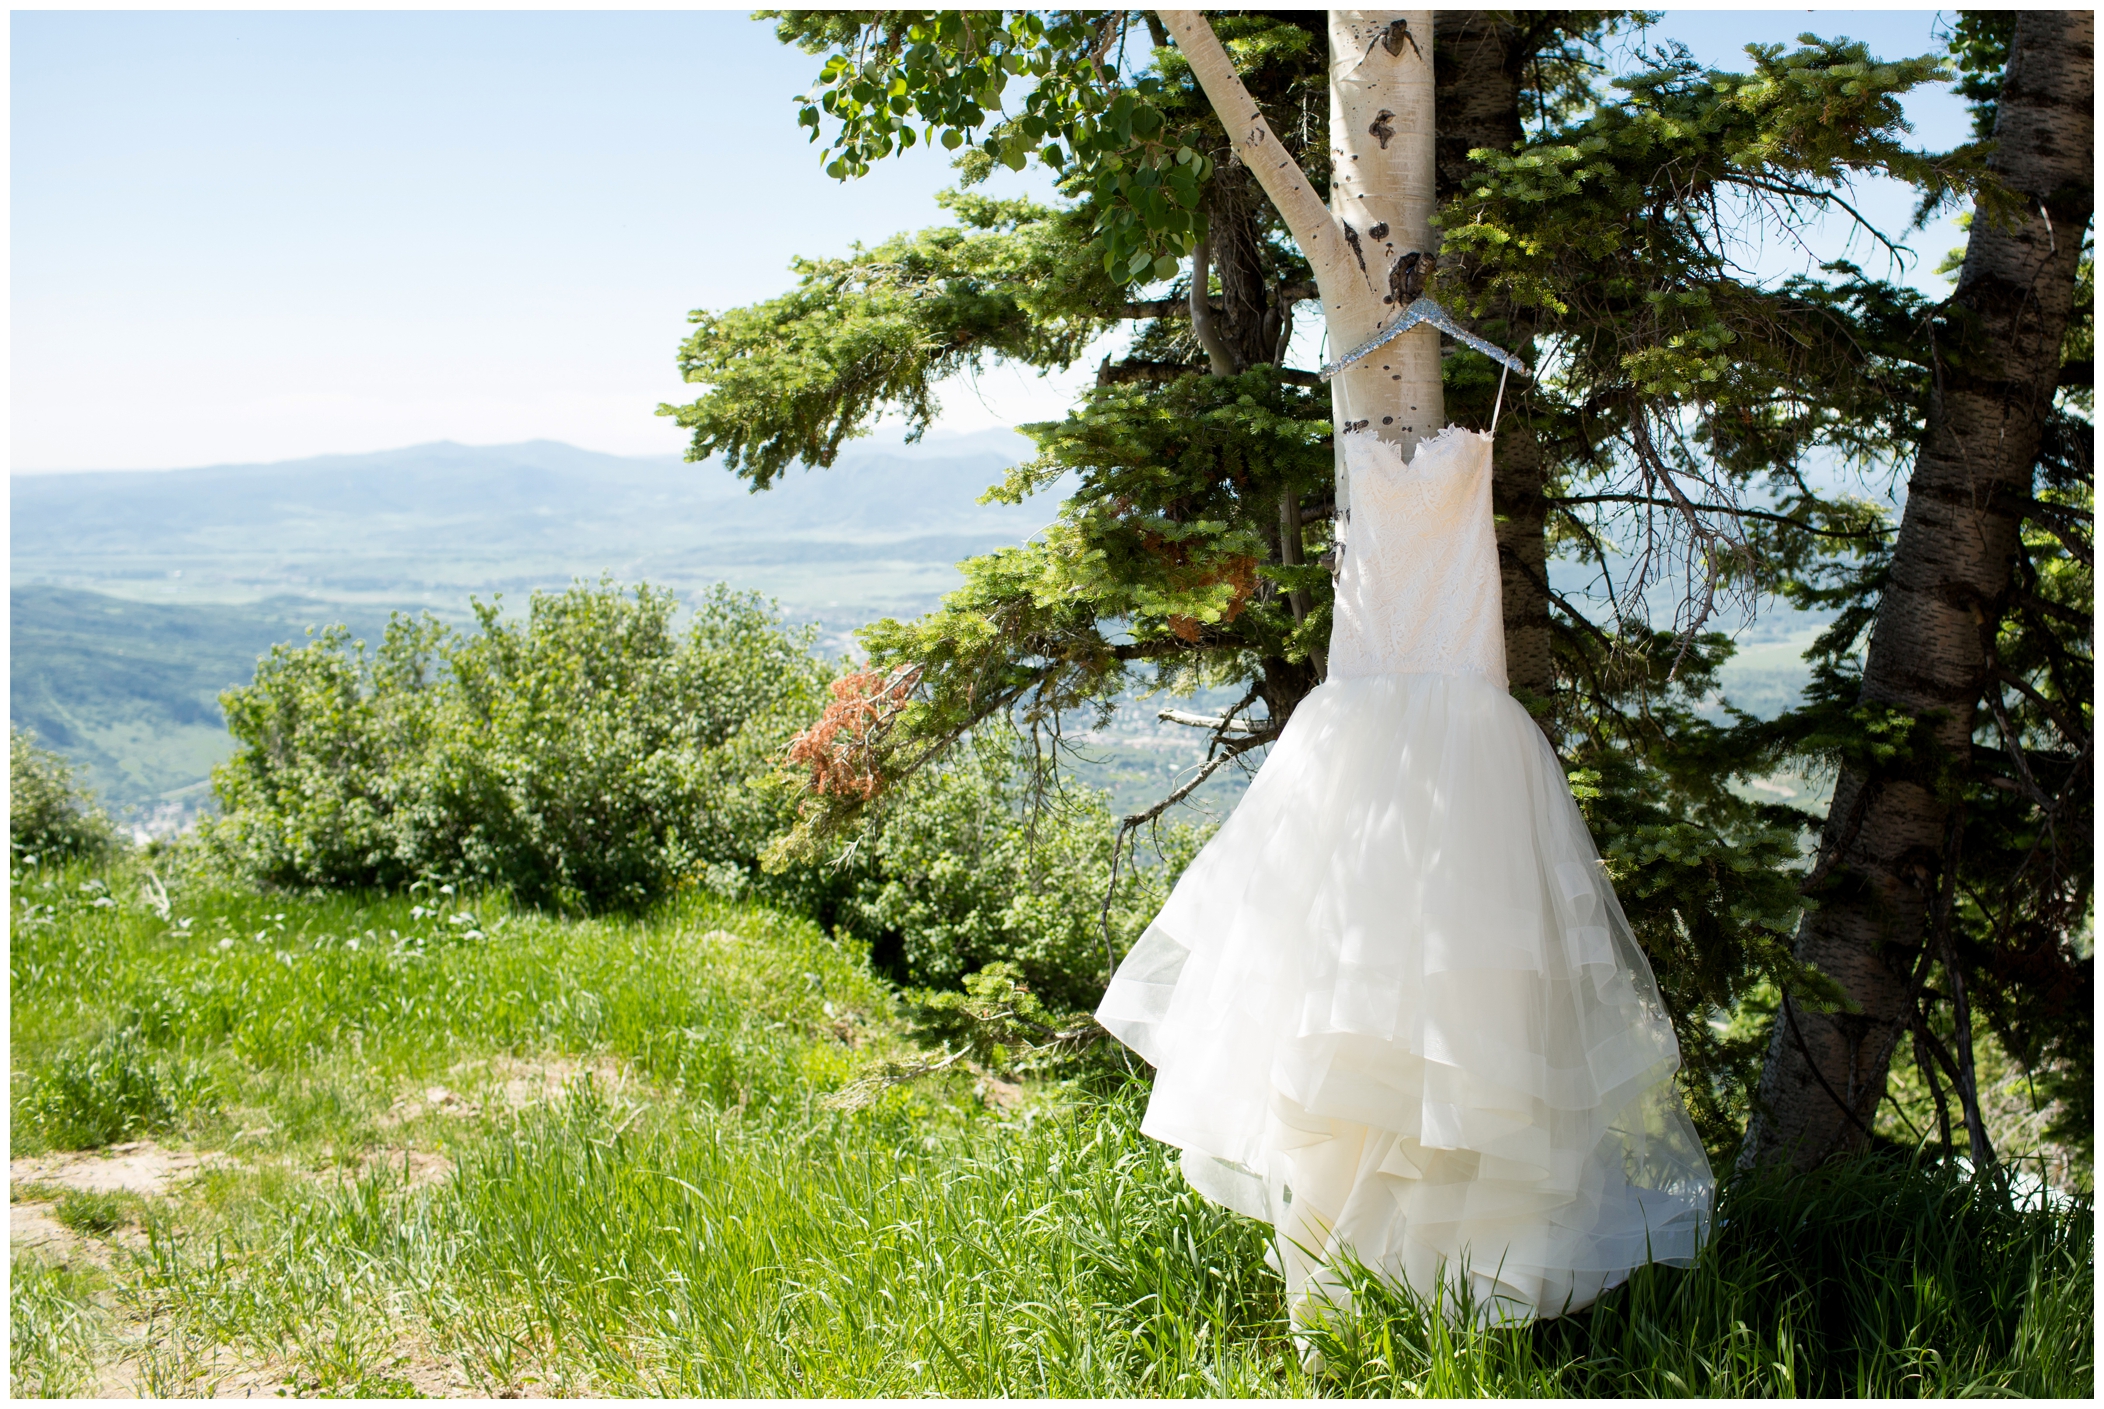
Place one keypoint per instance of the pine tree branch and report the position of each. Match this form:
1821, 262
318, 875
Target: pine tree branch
1652, 501
1228, 753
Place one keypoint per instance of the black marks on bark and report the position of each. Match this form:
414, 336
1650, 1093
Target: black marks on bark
1354, 427
1394, 37
1378, 232
1408, 275
1351, 237
1383, 129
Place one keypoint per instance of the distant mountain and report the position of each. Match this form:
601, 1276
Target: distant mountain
430, 525
138, 596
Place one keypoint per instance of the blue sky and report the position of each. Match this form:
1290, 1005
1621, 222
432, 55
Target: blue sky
244, 236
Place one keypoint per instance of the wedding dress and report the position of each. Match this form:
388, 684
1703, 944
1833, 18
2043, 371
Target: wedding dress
1393, 1006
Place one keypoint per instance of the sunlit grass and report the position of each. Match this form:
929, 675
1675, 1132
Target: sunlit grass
55, 1329
489, 1151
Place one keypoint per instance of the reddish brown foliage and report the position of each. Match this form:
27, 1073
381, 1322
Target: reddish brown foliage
1239, 573
840, 749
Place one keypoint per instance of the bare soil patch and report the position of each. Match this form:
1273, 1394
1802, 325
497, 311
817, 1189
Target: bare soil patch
136, 1167
503, 1084
31, 1228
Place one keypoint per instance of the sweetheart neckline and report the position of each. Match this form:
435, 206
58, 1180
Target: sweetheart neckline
1391, 454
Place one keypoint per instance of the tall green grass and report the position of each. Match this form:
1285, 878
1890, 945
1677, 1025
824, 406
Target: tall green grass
55, 1329
706, 1225
1879, 1277
307, 1016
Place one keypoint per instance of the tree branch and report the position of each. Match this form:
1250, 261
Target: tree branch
1206, 721
2074, 733
1228, 753
1252, 139
1155, 308
1202, 326
1288, 295
1137, 369
1764, 516
1149, 650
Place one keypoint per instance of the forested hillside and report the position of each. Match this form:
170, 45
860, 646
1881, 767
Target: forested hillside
129, 690
139, 596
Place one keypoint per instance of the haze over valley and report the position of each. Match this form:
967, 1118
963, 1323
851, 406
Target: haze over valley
137, 596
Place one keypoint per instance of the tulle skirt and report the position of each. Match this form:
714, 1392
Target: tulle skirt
1396, 1012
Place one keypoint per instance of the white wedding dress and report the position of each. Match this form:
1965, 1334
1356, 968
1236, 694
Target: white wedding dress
1393, 1006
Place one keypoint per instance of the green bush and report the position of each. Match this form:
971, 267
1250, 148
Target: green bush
112, 1089
962, 875
591, 756
49, 818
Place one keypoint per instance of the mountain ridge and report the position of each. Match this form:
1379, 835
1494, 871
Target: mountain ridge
431, 525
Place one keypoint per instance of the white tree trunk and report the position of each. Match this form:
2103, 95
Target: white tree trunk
1382, 194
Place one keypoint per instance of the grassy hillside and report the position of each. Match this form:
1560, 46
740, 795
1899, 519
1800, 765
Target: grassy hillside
129, 690
437, 1145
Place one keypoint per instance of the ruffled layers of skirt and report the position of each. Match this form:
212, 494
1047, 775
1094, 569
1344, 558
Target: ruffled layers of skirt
1396, 1012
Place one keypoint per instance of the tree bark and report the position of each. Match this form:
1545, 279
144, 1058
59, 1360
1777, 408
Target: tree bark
1383, 194
1381, 132
1202, 316
1235, 247
1480, 61
1997, 361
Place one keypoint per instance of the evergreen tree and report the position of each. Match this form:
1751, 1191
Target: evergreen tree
1666, 435
1956, 859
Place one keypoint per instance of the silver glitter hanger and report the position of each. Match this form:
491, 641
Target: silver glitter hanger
1426, 311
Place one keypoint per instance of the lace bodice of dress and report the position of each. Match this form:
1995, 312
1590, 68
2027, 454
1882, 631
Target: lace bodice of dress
1417, 572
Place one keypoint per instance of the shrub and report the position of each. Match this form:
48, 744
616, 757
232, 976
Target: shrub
962, 876
591, 756
111, 1089
50, 818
